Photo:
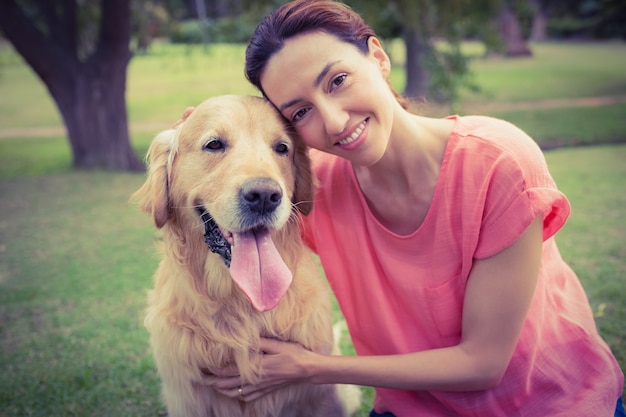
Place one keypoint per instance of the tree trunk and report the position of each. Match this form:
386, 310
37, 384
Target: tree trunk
416, 72
539, 30
508, 25
92, 102
90, 93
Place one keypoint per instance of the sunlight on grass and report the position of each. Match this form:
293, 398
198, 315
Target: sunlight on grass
173, 77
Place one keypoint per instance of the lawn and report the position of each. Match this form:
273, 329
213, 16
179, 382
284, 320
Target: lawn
76, 258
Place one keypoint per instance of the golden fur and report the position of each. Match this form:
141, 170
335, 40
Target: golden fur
199, 320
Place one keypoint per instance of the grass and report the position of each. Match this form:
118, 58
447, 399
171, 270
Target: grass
75, 264
566, 71
76, 259
556, 70
593, 240
571, 126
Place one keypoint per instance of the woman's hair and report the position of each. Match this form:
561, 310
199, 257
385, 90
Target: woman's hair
304, 16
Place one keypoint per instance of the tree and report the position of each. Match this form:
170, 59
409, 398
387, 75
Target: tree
431, 70
539, 30
511, 33
81, 53
414, 16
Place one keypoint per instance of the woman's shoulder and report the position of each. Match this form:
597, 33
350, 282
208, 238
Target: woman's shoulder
483, 142
492, 133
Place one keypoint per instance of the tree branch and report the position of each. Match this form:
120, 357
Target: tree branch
41, 52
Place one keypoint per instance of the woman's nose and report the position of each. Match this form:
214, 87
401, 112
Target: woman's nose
334, 118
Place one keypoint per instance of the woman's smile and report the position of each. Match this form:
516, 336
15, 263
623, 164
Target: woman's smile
355, 139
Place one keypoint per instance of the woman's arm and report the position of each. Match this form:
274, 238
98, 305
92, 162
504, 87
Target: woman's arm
497, 299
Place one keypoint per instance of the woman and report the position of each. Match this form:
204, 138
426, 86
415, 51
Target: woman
436, 236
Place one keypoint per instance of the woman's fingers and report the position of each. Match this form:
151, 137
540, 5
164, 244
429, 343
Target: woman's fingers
254, 392
184, 117
232, 388
226, 384
271, 346
275, 357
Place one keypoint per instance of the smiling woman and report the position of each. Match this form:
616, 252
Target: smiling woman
314, 98
437, 237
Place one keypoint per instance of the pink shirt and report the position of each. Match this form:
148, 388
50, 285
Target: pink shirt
403, 294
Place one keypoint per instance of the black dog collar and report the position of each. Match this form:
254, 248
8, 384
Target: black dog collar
214, 238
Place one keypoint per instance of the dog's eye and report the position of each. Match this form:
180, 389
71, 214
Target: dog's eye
281, 148
215, 145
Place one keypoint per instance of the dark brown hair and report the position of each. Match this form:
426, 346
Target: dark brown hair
303, 16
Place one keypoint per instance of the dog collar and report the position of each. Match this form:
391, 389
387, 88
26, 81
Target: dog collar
214, 238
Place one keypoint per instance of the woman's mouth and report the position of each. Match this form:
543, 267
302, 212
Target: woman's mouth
355, 135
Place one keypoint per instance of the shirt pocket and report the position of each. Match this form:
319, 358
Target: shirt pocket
445, 306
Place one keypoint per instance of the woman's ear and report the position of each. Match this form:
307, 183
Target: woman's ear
377, 52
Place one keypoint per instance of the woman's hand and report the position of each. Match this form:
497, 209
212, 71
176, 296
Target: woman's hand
281, 364
184, 117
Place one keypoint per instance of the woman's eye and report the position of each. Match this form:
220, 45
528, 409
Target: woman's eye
337, 81
281, 148
298, 115
215, 145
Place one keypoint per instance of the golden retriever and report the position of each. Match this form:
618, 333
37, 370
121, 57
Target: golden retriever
226, 187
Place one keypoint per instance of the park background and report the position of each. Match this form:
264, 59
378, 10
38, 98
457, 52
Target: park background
76, 259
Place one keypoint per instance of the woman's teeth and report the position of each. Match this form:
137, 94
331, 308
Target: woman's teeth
354, 134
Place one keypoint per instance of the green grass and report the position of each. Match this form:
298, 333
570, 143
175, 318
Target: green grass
76, 259
571, 126
34, 156
593, 240
75, 262
556, 70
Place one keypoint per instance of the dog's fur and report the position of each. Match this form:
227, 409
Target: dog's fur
199, 320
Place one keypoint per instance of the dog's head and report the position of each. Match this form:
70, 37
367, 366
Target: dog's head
234, 169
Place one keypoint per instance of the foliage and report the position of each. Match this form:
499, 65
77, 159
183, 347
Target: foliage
450, 75
149, 20
593, 19
223, 30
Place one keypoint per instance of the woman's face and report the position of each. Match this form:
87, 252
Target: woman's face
336, 97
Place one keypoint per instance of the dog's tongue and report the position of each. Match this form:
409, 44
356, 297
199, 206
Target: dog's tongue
258, 269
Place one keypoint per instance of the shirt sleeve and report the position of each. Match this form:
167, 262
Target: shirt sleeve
519, 188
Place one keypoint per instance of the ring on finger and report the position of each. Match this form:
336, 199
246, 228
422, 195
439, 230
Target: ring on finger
240, 391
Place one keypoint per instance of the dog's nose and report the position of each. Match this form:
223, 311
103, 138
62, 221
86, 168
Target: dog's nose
261, 195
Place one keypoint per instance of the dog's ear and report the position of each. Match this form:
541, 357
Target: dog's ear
303, 193
153, 196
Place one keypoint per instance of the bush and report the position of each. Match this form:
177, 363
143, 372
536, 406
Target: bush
186, 32
224, 30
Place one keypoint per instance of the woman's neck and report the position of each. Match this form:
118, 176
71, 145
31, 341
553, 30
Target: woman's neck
400, 187
414, 153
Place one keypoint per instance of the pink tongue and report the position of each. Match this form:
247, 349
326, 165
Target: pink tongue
258, 269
